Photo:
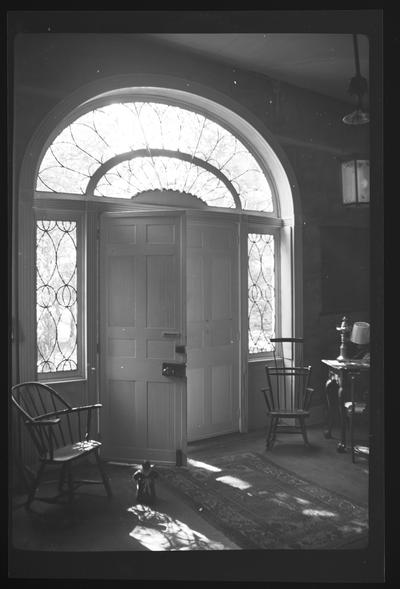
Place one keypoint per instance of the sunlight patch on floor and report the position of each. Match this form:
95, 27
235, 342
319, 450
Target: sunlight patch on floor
319, 513
204, 465
356, 526
234, 482
160, 532
302, 501
353, 526
282, 503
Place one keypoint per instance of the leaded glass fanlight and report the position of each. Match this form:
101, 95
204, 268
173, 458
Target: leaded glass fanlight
120, 150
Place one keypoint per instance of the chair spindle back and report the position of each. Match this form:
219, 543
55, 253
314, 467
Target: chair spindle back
38, 403
288, 388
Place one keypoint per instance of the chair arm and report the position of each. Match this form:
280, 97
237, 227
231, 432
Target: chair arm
44, 421
310, 389
86, 407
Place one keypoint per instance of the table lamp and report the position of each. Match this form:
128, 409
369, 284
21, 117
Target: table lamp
360, 337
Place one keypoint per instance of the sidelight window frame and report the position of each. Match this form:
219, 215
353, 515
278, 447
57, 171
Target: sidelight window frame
268, 228
77, 216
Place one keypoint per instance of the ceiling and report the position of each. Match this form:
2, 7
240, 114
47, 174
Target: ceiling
323, 62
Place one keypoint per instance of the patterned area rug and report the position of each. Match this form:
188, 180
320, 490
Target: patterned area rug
259, 505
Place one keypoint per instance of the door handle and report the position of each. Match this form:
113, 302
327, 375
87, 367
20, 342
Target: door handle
170, 334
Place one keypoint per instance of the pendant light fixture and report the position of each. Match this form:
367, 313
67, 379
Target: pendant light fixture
358, 87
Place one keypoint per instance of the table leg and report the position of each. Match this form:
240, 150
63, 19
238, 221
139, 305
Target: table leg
329, 386
341, 446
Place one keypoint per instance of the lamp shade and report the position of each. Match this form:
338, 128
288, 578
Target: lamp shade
355, 181
360, 333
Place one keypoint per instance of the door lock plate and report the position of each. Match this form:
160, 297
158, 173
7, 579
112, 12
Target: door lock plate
174, 369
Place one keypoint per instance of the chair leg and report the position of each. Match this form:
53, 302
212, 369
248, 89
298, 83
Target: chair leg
276, 422
70, 482
34, 486
353, 454
268, 437
271, 433
103, 474
304, 431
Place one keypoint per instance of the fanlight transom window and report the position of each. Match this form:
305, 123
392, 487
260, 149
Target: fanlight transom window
120, 150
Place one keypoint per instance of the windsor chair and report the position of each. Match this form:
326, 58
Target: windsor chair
61, 435
287, 394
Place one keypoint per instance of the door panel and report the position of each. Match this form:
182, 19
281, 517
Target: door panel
213, 336
142, 304
122, 291
222, 403
161, 279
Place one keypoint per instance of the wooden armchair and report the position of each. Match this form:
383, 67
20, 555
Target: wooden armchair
288, 394
60, 433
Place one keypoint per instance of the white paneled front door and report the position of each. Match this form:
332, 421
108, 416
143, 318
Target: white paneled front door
213, 330
142, 320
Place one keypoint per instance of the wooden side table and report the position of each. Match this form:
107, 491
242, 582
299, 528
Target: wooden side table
338, 384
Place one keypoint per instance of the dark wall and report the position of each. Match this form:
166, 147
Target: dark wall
48, 67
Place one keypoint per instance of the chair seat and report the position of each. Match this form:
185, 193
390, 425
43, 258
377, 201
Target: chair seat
72, 451
292, 413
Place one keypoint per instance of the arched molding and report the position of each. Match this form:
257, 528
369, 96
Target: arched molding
218, 106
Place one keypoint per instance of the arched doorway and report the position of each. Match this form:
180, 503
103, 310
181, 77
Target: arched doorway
251, 196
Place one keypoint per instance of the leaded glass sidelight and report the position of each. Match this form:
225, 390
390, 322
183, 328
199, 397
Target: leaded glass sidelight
261, 295
176, 148
56, 296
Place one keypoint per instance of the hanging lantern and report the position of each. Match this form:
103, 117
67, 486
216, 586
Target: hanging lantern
358, 87
355, 181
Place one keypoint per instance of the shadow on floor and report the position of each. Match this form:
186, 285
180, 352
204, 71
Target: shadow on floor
95, 523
